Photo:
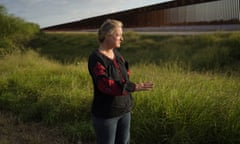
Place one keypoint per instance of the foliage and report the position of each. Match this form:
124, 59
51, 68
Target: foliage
37, 89
14, 32
65, 47
218, 51
184, 107
214, 52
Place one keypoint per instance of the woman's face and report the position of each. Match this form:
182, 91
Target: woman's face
114, 40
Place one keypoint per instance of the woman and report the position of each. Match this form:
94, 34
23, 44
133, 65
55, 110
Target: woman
112, 102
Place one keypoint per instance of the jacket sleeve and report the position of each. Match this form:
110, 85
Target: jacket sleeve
107, 85
129, 87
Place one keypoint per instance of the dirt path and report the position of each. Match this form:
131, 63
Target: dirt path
13, 131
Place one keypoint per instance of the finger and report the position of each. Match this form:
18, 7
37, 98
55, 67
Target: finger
148, 85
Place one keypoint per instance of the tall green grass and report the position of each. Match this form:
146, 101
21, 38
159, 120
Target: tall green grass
183, 107
41, 90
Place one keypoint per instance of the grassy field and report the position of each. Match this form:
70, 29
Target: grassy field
195, 99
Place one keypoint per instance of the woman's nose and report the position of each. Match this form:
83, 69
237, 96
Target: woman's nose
121, 38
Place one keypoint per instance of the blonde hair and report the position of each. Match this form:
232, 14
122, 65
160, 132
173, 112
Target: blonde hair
108, 27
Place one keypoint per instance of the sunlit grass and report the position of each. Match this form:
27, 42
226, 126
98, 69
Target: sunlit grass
187, 105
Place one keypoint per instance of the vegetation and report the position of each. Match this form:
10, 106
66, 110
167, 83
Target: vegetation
14, 32
195, 99
215, 52
40, 90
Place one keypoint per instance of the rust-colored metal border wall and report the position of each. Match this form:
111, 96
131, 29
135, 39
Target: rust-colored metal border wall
178, 12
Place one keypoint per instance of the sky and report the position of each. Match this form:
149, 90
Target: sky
52, 12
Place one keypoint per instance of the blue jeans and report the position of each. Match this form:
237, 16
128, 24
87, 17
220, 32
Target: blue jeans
112, 130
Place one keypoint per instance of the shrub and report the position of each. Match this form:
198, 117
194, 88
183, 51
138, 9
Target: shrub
14, 32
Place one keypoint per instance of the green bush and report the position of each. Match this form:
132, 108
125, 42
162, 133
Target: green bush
14, 32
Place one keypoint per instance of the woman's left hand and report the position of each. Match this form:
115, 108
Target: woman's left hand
145, 86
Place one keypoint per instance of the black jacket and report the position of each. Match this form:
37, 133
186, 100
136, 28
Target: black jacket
112, 88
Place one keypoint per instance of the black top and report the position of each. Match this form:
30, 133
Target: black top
112, 88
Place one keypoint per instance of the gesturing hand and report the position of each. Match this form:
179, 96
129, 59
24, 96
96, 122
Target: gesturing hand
145, 86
